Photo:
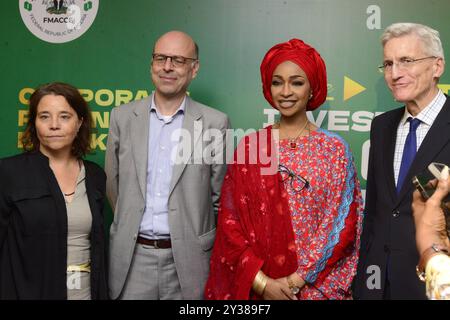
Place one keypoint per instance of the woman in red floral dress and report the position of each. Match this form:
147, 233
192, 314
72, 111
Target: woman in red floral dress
291, 210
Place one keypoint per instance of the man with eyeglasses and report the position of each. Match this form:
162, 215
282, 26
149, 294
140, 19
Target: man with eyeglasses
403, 142
164, 206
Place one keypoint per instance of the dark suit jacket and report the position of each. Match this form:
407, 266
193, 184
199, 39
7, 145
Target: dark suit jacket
33, 230
389, 231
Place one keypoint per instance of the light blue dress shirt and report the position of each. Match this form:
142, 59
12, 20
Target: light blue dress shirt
163, 138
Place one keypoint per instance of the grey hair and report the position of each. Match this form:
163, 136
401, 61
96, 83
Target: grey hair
429, 37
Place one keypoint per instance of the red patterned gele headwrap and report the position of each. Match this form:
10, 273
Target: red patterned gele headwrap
307, 58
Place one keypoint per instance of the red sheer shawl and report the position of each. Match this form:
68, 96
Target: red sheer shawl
254, 224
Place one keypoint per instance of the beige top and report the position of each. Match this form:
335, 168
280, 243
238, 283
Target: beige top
79, 222
438, 277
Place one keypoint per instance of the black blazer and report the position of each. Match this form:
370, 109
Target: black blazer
33, 230
389, 231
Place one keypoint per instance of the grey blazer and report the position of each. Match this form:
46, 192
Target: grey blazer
193, 198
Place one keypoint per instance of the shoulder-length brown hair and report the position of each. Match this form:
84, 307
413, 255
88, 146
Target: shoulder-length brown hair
82, 143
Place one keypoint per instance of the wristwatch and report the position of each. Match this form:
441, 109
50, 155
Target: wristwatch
426, 255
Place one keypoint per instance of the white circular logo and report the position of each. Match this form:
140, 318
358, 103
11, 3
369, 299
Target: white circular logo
58, 21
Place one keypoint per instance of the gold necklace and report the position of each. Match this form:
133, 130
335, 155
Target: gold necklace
293, 141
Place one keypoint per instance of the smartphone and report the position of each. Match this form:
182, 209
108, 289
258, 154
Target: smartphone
421, 183
426, 189
436, 169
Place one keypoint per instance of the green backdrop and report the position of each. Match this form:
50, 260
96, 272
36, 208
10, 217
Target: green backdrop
110, 62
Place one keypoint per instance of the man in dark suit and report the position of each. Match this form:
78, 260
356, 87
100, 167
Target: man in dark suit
403, 142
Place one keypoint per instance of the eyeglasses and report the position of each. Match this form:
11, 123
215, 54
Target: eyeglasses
403, 63
298, 183
177, 61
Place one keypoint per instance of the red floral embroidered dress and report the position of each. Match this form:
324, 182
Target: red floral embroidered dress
265, 224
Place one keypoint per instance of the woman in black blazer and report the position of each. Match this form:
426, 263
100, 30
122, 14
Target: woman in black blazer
52, 241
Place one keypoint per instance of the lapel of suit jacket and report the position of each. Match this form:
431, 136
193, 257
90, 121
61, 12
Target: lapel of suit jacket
191, 114
436, 138
389, 139
139, 128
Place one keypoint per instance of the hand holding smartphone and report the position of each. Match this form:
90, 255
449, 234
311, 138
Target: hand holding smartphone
426, 189
422, 182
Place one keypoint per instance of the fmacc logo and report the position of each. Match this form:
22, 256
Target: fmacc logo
58, 21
